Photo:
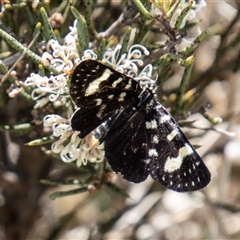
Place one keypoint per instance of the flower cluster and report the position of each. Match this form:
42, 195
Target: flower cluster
129, 64
69, 146
55, 89
45, 89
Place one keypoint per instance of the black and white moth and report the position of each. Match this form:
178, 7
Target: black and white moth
140, 136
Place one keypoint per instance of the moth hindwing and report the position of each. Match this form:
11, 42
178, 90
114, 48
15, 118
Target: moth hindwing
140, 136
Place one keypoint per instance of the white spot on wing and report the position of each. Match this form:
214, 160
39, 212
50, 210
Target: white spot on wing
173, 164
152, 153
172, 135
99, 101
148, 125
165, 118
155, 139
129, 84
99, 114
121, 96
94, 85
134, 150
116, 82
147, 161
110, 96
152, 124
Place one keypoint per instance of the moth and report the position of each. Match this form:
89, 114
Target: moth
140, 136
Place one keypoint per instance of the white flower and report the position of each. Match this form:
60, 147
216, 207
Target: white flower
62, 56
89, 54
69, 146
127, 63
73, 29
47, 89
46, 58
49, 120
145, 78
